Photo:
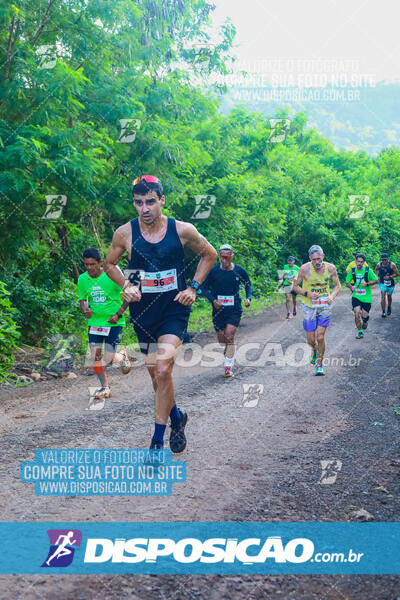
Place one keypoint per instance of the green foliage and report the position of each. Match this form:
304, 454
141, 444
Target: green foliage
147, 60
41, 311
9, 333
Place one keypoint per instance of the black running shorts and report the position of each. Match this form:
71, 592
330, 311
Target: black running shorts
226, 316
364, 305
148, 333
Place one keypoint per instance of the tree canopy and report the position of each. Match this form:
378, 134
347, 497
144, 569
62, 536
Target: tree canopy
94, 93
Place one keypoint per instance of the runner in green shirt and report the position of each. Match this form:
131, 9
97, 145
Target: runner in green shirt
359, 280
289, 274
100, 302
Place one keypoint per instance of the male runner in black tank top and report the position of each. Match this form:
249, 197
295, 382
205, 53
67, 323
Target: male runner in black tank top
386, 270
160, 300
222, 289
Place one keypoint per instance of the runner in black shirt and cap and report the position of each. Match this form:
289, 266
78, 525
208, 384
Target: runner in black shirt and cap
222, 289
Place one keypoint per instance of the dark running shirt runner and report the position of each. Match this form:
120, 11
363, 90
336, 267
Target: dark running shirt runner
224, 285
163, 275
386, 271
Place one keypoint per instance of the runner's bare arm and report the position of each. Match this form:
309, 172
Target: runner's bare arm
120, 245
85, 308
198, 243
115, 253
123, 308
191, 237
376, 270
395, 270
333, 273
299, 278
115, 318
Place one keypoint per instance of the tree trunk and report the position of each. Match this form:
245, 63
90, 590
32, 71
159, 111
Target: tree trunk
62, 233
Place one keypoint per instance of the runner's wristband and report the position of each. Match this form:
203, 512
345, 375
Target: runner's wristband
195, 285
118, 315
306, 294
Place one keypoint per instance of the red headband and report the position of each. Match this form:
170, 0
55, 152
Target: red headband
147, 178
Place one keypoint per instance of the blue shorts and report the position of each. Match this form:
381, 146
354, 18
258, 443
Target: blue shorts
111, 340
386, 288
316, 317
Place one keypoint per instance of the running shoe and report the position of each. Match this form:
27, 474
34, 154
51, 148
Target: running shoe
364, 324
156, 445
125, 363
177, 438
288, 316
103, 392
155, 456
389, 310
228, 372
360, 334
313, 357
319, 370
294, 313
383, 314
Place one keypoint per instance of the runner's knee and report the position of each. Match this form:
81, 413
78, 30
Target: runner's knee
221, 337
163, 371
97, 355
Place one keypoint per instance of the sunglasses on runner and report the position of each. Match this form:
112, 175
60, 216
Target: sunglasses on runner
147, 179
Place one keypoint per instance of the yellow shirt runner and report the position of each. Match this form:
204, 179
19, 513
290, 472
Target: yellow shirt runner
316, 283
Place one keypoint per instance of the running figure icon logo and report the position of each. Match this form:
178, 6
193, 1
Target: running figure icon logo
62, 547
330, 470
251, 394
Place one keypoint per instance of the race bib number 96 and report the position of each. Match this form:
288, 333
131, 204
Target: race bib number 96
161, 281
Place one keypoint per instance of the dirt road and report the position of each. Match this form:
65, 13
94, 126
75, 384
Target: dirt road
254, 462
